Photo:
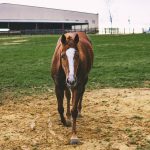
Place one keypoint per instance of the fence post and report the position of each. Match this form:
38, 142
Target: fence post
133, 30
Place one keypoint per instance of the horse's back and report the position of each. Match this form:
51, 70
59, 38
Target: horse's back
85, 46
82, 35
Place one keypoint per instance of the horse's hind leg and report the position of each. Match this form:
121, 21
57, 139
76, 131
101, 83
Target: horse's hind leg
60, 96
80, 107
81, 97
68, 114
80, 103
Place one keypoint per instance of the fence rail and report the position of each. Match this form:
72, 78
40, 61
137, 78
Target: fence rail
122, 30
88, 31
47, 31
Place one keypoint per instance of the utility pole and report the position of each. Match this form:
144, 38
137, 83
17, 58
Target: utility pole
129, 21
110, 20
110, 15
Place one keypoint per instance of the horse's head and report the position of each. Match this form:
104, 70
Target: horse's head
70, 59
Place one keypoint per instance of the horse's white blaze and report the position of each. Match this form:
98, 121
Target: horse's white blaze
70, 55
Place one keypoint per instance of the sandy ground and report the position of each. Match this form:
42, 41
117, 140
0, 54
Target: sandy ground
113, 119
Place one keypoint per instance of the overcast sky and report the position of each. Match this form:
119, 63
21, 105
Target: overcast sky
134, 13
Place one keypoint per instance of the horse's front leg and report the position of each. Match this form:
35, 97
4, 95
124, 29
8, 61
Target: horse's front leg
74, 112
59, 90
68, 114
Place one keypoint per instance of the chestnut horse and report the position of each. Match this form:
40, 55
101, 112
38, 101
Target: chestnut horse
71, 63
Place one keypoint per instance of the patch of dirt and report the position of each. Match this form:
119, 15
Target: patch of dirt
15, 42
113, 119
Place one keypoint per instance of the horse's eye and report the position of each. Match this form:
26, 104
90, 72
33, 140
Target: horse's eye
77, 54
63, 55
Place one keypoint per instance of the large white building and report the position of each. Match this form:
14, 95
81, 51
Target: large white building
22, 17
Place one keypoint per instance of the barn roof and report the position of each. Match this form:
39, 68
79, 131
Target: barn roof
23, 13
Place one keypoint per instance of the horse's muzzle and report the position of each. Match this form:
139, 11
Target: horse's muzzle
71, 81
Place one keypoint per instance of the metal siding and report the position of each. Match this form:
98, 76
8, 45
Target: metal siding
22, 12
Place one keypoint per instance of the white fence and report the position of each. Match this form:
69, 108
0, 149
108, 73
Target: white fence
121, 30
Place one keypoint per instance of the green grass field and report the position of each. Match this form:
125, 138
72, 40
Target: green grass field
120, 61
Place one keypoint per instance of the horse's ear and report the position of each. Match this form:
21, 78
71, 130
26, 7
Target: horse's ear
76, 39
63, 39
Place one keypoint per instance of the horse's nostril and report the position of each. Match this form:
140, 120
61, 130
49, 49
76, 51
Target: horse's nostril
71, 82
67, 80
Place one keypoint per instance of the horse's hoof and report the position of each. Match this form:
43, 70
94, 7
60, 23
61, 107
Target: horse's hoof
74, 140
68, 123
